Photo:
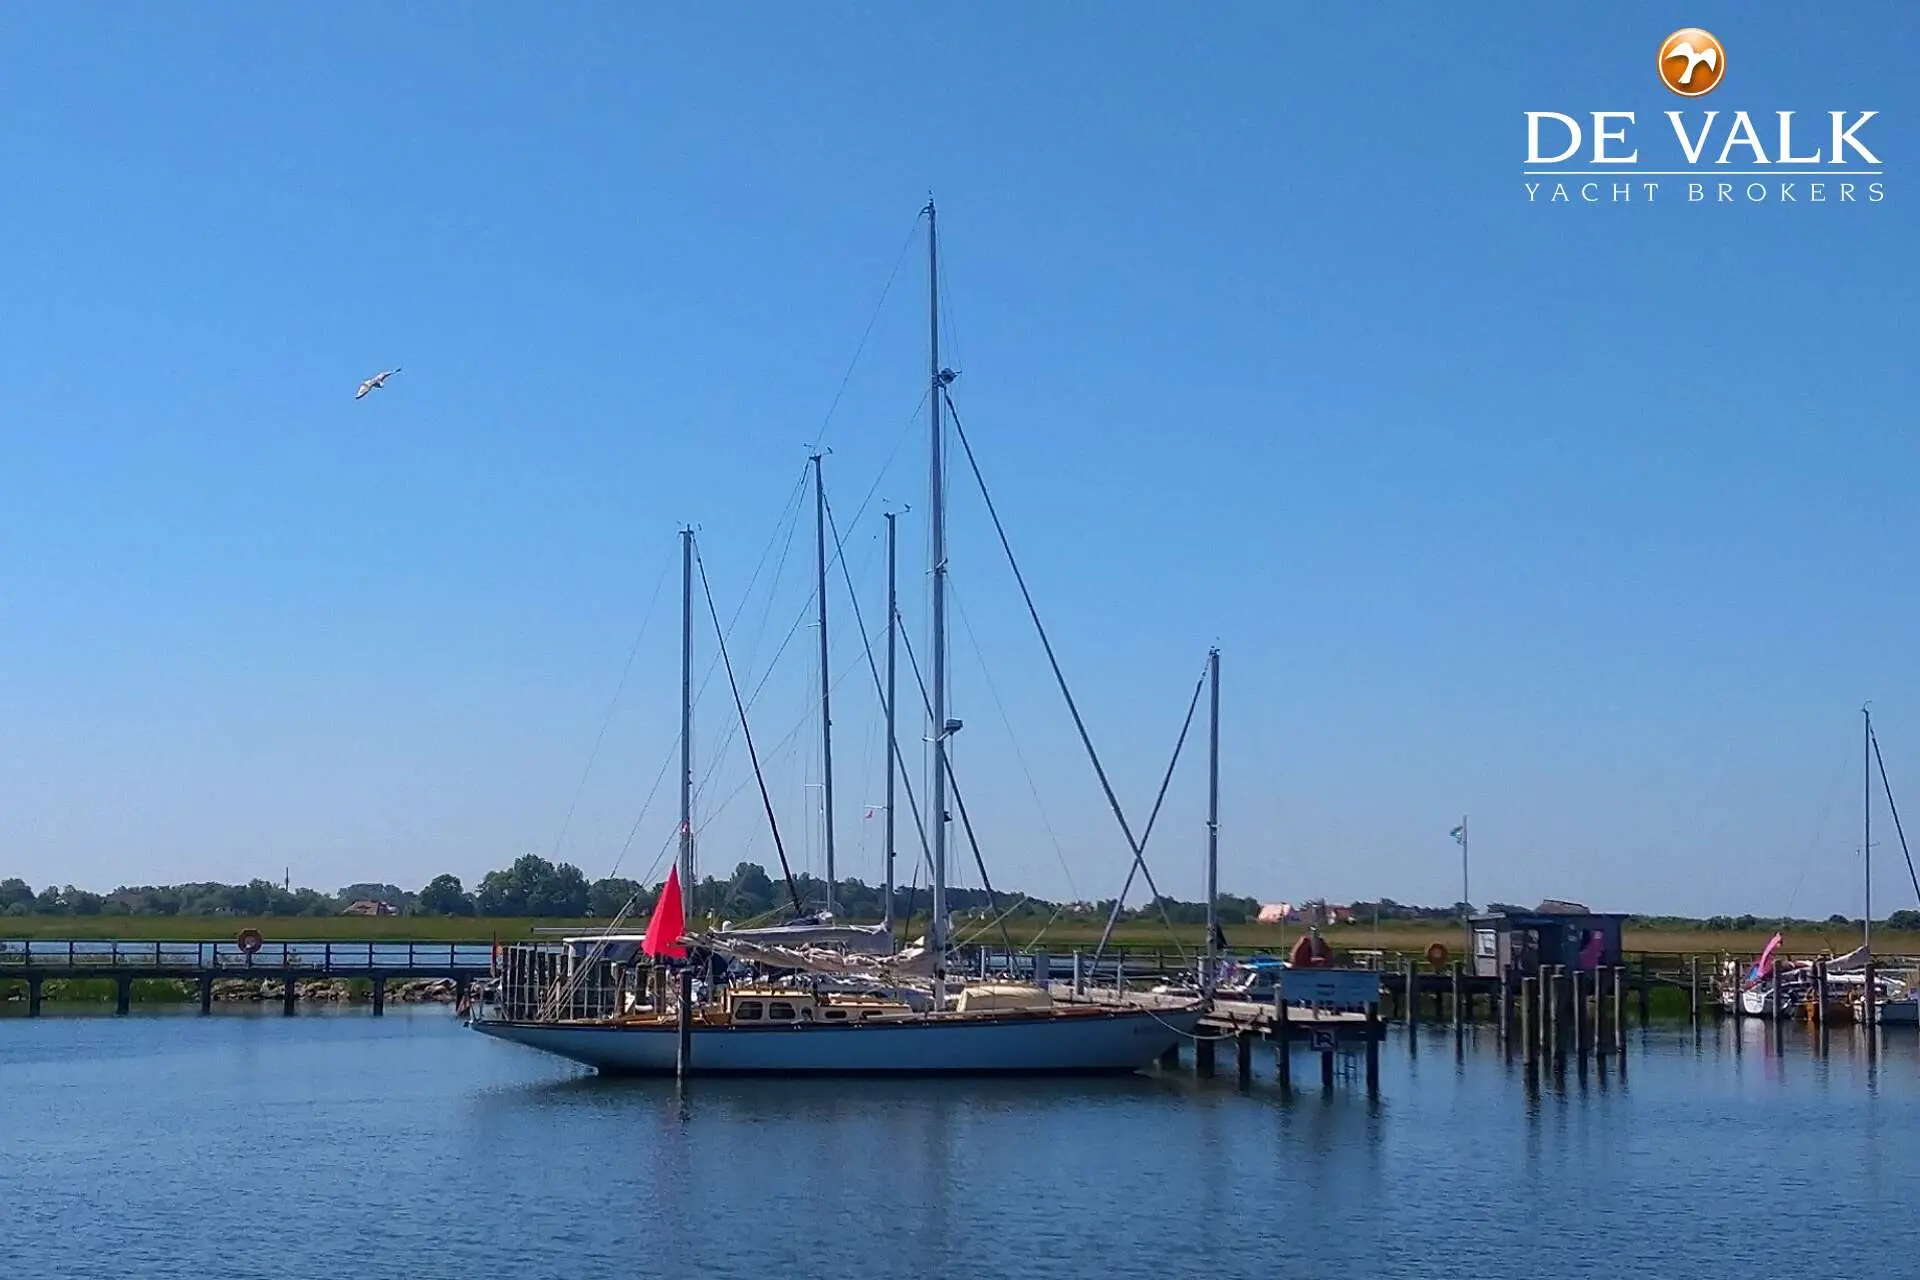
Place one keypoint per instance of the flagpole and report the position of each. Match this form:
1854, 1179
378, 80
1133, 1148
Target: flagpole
1466, 899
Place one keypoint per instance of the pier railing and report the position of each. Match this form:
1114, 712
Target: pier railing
323, 958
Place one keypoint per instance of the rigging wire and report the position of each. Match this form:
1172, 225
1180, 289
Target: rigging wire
1086, 739
1140, 857
1874, 738
646, 619
747, 733
959, 804
1006, 721
879, 686
899, 259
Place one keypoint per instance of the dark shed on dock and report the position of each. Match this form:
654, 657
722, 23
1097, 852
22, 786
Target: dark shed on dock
1563, 933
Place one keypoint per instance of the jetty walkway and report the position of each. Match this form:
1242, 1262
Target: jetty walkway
36, 962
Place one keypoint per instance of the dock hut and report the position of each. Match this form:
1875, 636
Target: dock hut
1562, 933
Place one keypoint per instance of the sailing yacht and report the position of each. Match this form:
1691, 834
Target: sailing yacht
800, 1026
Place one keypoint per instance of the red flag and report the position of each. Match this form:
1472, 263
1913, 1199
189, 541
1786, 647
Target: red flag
668, 922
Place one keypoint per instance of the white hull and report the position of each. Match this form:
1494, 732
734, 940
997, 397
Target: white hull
1121, 1041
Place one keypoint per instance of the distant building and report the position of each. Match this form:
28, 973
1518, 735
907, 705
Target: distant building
1277, 913
1339, 915
368, 907
1554, 933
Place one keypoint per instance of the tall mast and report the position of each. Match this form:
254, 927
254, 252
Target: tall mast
1866, 824
686, 722
826, 677
1213, 816
937, 553
893, 629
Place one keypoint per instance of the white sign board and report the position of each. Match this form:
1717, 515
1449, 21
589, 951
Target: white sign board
1331, 988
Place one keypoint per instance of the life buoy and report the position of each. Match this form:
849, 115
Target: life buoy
1437, 955
249, 941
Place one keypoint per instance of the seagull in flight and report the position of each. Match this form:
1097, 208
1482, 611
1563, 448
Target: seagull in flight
1684, 49
374, 383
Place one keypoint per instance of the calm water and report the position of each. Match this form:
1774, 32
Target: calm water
169, 1145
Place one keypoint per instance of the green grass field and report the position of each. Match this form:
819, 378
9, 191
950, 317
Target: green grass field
1064, 935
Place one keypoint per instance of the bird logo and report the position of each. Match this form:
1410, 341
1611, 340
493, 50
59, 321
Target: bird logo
376, 382
1692, 62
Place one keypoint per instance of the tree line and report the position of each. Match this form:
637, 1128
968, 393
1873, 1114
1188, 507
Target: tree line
533, 886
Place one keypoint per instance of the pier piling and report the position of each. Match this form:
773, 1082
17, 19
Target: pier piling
1373, 1051
1529, 1018
1459, 1005
1620, 1010
206, 993
122, 994
1409, 995
379, 997
1243, 1047
33, 997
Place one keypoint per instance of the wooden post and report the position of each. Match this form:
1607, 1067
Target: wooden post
1529, 1019
287, 995
34, 995
206, 993
1646, 979
1079, 977
380, 1000
1243, 1043
1870, 1006
1779, 1013
1409, 995
1283, 1053
122, 994
1504, 1009
683, 1058
1578, 991
1326, 1071
1693, 990
1602, 1024
1373, 1050
1550, 997
1820, 998
1459, 1010
1620, 1008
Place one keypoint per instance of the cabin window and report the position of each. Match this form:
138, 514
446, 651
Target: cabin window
806, 1013
833, 1015
870, 1013
779, 1011
747, 1011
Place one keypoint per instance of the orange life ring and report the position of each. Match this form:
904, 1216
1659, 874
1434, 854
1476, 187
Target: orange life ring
1437, 955
249, 941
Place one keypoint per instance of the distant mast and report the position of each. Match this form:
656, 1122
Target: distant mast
1866, 826
937, 555
826, 676
893, 764
686, 722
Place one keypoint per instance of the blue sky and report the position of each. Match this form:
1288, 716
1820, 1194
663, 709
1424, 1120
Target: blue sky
1593, 522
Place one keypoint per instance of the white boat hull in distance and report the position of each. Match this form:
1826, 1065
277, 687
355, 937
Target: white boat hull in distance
1085, 1044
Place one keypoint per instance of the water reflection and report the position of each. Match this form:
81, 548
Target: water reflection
428, 1151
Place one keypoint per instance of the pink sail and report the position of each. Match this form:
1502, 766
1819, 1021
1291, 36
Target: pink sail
1764, 965
668, 922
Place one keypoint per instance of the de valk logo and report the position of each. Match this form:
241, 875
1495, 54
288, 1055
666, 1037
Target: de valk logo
1784, 154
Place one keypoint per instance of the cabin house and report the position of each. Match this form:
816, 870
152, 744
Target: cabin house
1554, 933
368, 907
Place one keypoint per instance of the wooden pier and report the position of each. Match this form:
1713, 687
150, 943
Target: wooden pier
202, 964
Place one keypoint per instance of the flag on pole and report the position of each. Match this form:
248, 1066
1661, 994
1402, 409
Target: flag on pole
668, 923
1459, 835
